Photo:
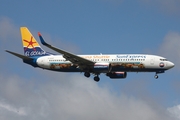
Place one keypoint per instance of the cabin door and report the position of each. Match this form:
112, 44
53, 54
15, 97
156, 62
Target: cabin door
152, 61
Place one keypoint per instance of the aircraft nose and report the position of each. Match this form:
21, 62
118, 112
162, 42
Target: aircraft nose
170, 65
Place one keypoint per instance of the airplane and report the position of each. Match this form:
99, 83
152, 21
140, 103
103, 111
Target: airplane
115, 66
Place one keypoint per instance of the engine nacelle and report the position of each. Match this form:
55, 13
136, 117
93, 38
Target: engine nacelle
102, 67
115, 75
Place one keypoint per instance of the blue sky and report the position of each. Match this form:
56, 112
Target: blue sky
90, 27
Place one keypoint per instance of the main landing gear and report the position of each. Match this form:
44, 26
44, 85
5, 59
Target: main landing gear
96, 78
87, 74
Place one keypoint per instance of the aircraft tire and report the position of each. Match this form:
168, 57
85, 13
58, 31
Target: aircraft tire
96, 78
87, 74
156, 76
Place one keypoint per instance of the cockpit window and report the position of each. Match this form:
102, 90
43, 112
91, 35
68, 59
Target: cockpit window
163, 60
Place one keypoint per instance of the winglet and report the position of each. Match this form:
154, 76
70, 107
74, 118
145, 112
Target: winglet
41, 39
39, 34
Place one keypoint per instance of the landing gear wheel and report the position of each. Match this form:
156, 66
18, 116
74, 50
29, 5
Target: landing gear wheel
96, 78
156, 76
87, 74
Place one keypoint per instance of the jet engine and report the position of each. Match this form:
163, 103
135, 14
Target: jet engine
117, 75
102, 67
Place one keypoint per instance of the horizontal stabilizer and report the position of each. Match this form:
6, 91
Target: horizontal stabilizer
19, 55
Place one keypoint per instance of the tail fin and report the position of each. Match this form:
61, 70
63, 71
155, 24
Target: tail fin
30, 45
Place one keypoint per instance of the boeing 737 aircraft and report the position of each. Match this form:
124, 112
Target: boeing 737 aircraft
112, 65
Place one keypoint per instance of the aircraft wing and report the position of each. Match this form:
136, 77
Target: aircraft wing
19, 55
67, 55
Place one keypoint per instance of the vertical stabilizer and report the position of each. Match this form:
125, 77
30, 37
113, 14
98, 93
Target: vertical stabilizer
30, 45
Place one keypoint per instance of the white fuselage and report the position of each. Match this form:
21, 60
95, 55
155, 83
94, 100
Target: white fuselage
119, 62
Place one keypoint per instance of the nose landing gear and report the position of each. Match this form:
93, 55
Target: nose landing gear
158, 72
156, 76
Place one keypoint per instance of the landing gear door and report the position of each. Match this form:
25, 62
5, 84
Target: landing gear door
42, 62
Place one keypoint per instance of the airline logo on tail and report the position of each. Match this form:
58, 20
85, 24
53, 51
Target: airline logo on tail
31, 46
